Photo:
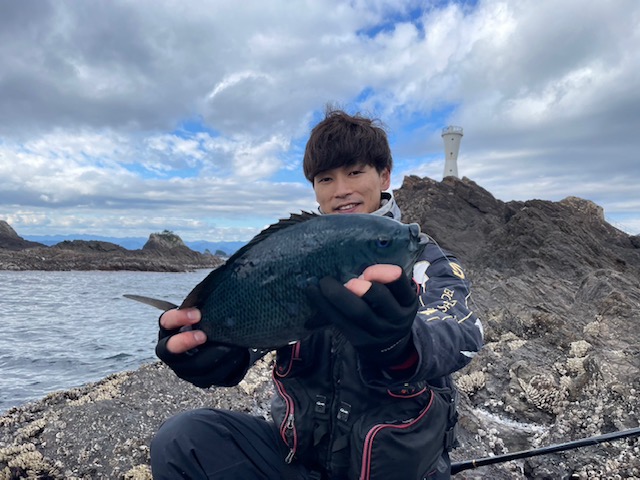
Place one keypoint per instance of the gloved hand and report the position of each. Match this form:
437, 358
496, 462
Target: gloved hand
209, 364
378, 324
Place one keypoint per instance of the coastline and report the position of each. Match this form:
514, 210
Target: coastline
177, 259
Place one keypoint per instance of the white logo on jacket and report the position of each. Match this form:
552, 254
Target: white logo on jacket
420, 274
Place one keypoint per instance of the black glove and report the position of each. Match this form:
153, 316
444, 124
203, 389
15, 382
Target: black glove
378, 324
208, 364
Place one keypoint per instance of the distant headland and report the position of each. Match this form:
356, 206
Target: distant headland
163, 252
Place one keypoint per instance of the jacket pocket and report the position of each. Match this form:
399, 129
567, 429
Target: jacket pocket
407, 448
286, 358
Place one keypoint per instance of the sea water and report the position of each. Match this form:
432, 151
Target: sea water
60, 330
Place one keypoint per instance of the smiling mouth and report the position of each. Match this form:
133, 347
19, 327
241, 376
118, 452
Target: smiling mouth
348, 206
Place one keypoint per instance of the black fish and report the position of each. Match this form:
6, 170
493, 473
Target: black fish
257, 298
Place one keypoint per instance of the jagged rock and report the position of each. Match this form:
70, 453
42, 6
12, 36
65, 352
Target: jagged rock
545, 276
10, 240
7, 231
586, 208
558, 290
164, 241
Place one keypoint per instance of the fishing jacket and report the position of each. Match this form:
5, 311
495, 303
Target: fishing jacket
346, 419
349, 419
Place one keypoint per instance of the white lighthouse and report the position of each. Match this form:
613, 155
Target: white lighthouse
451, 136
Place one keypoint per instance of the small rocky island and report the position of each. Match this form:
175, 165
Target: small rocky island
557, 288
163, 252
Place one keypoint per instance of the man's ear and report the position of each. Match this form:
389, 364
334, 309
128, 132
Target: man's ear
385, 176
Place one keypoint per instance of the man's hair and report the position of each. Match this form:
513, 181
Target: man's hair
342, 140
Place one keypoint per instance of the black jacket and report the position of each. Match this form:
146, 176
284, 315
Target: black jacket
348, 419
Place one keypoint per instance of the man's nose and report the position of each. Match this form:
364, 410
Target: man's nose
343, 187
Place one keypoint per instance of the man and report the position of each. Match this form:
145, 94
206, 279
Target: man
368, 398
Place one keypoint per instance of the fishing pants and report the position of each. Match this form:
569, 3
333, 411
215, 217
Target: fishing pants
220, 445
224, 445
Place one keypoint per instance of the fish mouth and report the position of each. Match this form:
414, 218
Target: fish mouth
416, 234
418, 238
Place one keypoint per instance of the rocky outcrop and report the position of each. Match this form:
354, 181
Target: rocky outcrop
10, 240
163, 252
103, 430
557, 288
90, 246
166, 240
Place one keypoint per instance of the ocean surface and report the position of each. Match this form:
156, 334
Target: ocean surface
63, 329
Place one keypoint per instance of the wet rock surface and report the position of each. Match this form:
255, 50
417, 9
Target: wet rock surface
557, 288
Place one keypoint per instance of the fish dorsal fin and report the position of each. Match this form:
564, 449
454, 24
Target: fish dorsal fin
201, 291
293, 219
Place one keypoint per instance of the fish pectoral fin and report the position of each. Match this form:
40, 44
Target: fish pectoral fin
154, 302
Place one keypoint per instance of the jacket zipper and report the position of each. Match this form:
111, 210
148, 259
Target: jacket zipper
365, 470
289, 425
288, 431
336, 373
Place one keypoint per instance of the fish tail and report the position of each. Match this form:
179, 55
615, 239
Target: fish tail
154, 302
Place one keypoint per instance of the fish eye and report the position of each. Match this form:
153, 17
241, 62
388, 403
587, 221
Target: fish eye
383, 242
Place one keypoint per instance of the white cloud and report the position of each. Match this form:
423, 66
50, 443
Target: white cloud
92, 118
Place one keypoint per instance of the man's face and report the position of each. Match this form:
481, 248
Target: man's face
352, 189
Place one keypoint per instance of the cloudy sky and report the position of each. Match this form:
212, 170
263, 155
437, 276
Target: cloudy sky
123, 118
